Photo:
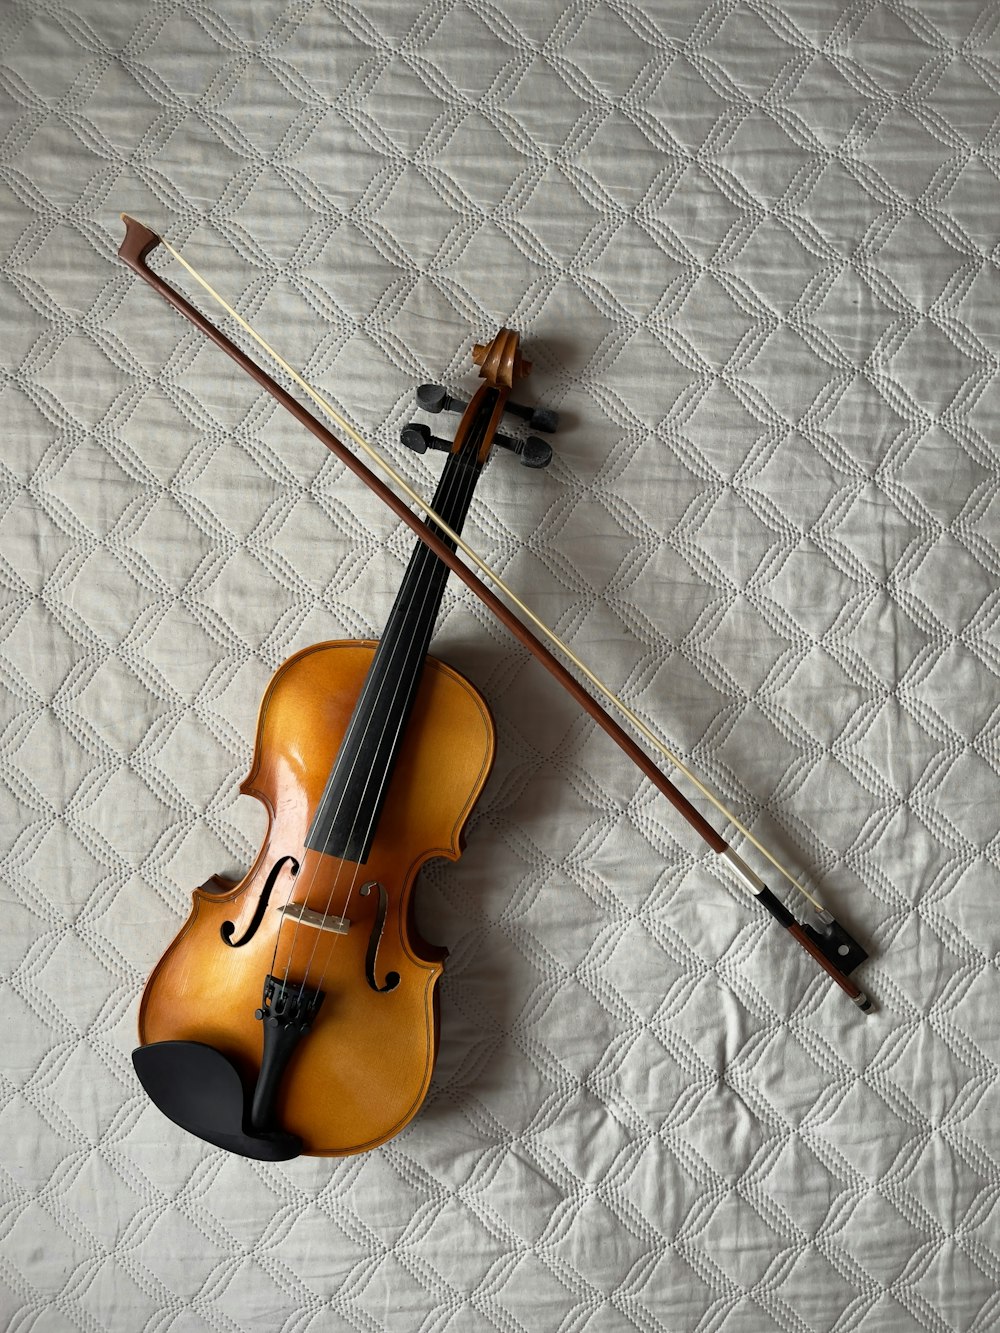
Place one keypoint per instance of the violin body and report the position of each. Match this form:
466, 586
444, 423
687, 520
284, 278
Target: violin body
296, 1011
364, 1070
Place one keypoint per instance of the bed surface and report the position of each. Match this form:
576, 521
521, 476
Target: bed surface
751, 251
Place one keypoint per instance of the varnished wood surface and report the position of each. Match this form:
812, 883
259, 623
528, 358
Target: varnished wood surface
139, 241
363, 1070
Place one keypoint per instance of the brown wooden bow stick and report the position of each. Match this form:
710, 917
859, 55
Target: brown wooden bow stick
827, 941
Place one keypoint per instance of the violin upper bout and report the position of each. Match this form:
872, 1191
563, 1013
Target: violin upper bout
441, 768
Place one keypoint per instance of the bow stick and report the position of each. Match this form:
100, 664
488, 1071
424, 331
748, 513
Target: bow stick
827, 942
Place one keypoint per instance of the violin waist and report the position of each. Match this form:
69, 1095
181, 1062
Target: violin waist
363, 1069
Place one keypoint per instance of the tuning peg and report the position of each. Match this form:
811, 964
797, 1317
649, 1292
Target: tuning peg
532, 452
434, 398
538, 418
418, 437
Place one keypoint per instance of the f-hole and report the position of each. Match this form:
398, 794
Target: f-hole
374, 939
228, 928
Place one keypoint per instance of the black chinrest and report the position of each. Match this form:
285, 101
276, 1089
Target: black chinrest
198, 1088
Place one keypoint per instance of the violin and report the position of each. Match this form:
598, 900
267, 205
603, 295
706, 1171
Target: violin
355, 741
297, 1010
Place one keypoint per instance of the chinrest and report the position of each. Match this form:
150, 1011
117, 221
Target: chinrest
198, 1088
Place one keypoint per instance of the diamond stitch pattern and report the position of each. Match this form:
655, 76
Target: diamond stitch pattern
751, 250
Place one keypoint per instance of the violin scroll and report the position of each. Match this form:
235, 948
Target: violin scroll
501, 365
500, 362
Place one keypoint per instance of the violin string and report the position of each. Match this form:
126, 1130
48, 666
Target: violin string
464, 480
453, 489
484, 569
453, 492
366, 709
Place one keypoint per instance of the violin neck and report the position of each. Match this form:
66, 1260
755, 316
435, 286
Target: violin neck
346, 817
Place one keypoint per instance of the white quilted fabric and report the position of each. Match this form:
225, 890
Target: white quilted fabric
751, 248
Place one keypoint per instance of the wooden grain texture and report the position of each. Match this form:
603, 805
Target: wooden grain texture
363, 1070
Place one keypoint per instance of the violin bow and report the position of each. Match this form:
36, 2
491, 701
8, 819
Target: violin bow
828, 943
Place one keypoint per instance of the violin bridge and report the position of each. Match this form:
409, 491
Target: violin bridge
336, 925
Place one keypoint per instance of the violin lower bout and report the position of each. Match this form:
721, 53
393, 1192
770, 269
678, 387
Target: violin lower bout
361, 1072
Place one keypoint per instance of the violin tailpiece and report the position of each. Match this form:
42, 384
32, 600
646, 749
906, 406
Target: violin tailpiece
287, 1011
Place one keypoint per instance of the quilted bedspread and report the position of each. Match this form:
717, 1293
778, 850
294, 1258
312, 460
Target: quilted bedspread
751, 248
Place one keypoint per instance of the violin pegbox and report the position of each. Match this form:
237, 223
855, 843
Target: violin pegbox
501, 365
434, 398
